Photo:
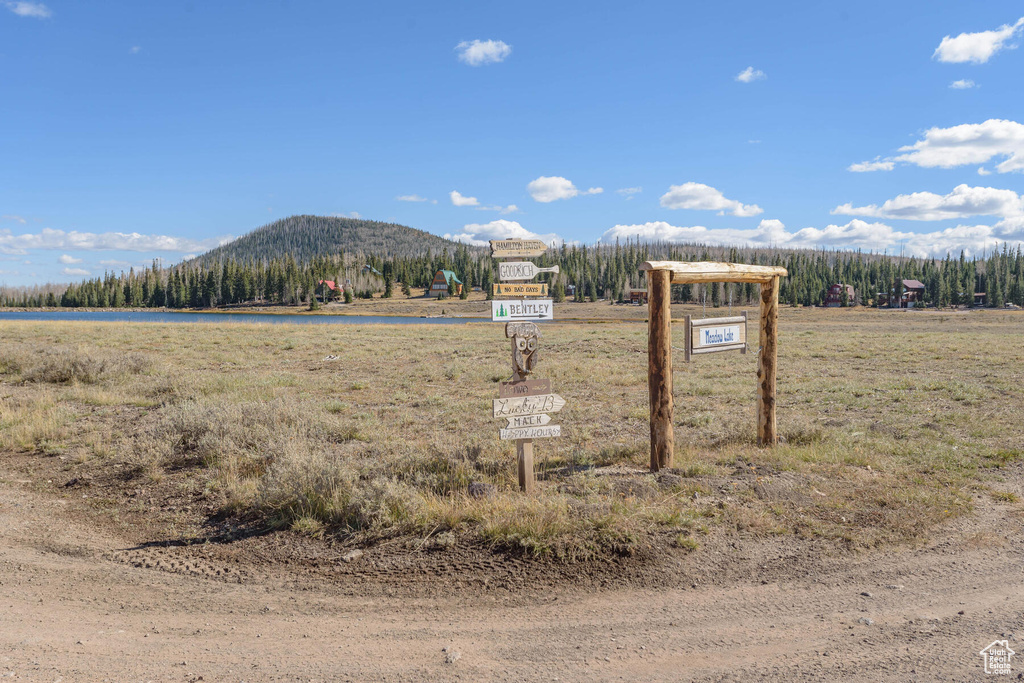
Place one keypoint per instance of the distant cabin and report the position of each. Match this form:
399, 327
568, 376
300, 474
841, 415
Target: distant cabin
327, 290
636, 296
913, 293
439, 287
980, 299
834, 296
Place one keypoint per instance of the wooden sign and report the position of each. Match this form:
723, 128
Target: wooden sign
517, 248
528, 405
510, 311
522, 270
520, 289
520, 421
525, 387
711, 335
530, 433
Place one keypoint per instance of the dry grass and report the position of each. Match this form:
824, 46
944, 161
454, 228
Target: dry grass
892, 421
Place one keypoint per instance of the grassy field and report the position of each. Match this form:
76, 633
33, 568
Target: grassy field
893, 422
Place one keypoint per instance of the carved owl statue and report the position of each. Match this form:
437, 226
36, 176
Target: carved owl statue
524, 346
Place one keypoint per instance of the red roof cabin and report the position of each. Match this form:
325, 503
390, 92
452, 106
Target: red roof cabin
327, 289
835, 296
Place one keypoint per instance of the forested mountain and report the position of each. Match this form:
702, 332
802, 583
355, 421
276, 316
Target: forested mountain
306, 237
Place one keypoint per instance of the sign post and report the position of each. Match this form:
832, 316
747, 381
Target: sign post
661, 275
524, 403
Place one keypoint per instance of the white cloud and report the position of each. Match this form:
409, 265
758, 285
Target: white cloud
350, 214
411, 198
963, 84
26, 8
90, 241
857, 234
460, 200
962, 202
750, 74
976, 48
629, 192
968, 143
12, 217
136, 49
984, 171
68, 260
551, 188
479, 52
74, 271
876, 165
706, 198
479, 234
593, 190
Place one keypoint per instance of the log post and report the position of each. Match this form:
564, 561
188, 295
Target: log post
766, 428
659, 363
524, 447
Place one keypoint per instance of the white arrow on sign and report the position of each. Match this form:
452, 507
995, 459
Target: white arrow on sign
528, 405
530, 433
520, 421
522, 270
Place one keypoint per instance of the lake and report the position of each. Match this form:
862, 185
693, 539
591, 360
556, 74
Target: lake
248, 318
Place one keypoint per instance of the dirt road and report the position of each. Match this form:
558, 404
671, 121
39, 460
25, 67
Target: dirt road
73, 609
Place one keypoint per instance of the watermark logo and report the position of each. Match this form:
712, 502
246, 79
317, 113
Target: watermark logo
997, 658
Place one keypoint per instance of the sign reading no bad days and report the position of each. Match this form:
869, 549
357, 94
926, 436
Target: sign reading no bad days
520, 289
508, 311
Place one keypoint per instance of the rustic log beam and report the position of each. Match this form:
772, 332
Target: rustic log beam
766, 428
684, 272
659, 357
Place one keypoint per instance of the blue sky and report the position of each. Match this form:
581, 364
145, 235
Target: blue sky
132, 131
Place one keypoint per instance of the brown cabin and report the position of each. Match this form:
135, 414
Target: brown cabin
913, 293
636, 296
834, 296
439, 287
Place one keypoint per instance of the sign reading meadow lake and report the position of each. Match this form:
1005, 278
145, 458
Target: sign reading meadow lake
710, 336
716, 334
509, 311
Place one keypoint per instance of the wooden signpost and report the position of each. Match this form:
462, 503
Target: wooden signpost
524, 403
661, 275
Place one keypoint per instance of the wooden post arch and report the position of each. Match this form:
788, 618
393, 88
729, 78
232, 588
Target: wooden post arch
661, 275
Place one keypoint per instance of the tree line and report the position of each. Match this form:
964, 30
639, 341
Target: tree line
605, 272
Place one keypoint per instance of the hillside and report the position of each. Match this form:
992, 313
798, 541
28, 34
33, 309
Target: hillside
304, 237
